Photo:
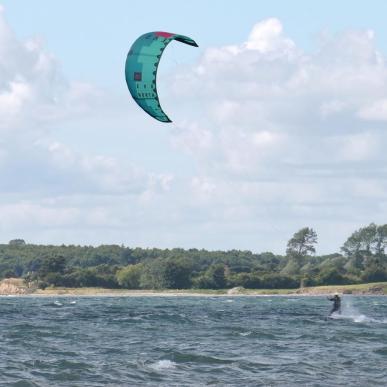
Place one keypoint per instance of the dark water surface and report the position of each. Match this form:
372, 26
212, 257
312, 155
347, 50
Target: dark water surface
178, 341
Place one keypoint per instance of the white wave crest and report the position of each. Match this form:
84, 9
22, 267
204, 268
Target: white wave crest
163, 364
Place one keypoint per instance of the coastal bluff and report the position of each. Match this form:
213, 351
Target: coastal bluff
13, 286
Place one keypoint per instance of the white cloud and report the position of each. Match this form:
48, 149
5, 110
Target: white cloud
275, 138
267, 37
290, 106
45, 183
376, 111
289, 130
360, 147
35, 97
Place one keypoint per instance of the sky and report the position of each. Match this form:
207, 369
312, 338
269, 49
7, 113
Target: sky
279, 122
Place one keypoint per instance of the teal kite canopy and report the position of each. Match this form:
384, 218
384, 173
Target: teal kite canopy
141, 69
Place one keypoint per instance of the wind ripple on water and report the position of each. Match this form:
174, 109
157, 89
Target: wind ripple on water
192, 341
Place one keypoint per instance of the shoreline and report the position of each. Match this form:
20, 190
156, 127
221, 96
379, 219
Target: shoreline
16, 287
176, 295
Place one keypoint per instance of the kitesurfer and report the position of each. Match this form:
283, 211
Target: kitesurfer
336, 304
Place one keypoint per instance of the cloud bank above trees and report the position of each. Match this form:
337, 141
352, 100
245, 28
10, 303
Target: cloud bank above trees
279, 139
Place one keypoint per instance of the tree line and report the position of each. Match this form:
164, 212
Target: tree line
362, 258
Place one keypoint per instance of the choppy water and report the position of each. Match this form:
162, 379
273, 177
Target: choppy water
178, 341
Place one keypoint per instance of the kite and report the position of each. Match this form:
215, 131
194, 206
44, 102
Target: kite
141, 69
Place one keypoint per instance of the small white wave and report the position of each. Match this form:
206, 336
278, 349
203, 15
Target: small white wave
163, 365
57, 303
245, 333
360, 318
73, 302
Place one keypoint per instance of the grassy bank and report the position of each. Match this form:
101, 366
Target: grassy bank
376, 288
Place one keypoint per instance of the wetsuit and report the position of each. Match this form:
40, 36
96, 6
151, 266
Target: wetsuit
336, 305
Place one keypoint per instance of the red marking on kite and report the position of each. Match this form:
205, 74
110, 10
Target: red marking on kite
164, 34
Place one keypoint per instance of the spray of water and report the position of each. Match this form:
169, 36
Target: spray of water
350, 312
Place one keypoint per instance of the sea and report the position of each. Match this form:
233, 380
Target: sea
192, 341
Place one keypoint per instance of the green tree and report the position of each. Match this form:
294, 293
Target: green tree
374, 273
17, 242
352, 245
177, 273
129, 276
381, 239
331, 276
298, 247
368, 237
278, 281
171, 273
213, 278
371, 239
52, 264
293, 266
302, 243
